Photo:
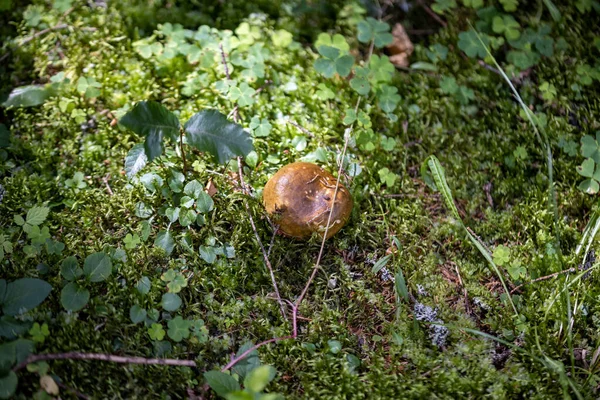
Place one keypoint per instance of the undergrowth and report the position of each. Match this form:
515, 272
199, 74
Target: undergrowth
130, 275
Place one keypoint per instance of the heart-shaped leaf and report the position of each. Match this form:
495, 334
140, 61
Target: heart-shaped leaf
210, 131
97, 267
74, 297
154, 121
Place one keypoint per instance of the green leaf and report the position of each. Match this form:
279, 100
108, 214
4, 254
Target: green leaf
470, 44
24, 294
179, 328
325, 67
590, 147
509, 5
501, 255
30, 96
382, 262
261, 127
11, 328
193, 189
400, 286
589, 186
258, 379
244, 95
8, 385
371, 29
135, 160
170, 302
165, 241
205, 203
329, 52
74, 297
97, 266
153, 121
508, 25
210, 131
587, 168
69, 269
335, 346
208, 254
37, 215
361, 85
156, 332
137, 314
388, 98
349, 117
343, 65
144, 285
221, 382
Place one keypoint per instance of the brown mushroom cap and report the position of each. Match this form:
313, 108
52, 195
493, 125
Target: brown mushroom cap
300, 198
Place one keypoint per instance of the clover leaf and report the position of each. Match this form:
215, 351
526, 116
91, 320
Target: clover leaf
179, 328
589, 169
242, 94
471, 45
590, 147
371, 29
508, 25
261, 127
501, 255
332, 61
156, 332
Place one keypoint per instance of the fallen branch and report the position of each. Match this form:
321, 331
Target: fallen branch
543, 278
75, 355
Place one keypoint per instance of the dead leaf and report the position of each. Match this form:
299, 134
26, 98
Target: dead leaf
211, 188
401, 48
48, 385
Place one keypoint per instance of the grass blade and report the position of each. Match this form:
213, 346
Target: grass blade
439, 177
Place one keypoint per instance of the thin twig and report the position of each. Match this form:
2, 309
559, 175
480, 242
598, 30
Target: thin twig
543, 278
224, 60
432, 14
251, 349
43, 32
260, 244
105, 180
489, 67
304, 130
76, 355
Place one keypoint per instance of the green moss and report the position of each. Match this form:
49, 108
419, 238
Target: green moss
477, 141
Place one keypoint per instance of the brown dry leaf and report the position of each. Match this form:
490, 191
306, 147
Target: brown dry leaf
401, 48
211, 188
48, 385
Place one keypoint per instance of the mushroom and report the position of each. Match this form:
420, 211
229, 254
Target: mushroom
300, 198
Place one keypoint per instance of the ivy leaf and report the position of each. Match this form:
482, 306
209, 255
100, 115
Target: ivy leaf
143, 286
204, 203
135, 160
8, 385
470, 44
74, 297
208, 254
165, 241
372, 29
97, 266
154, 121
179, 328
210, 131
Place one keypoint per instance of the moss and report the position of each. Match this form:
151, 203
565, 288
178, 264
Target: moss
476, 142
